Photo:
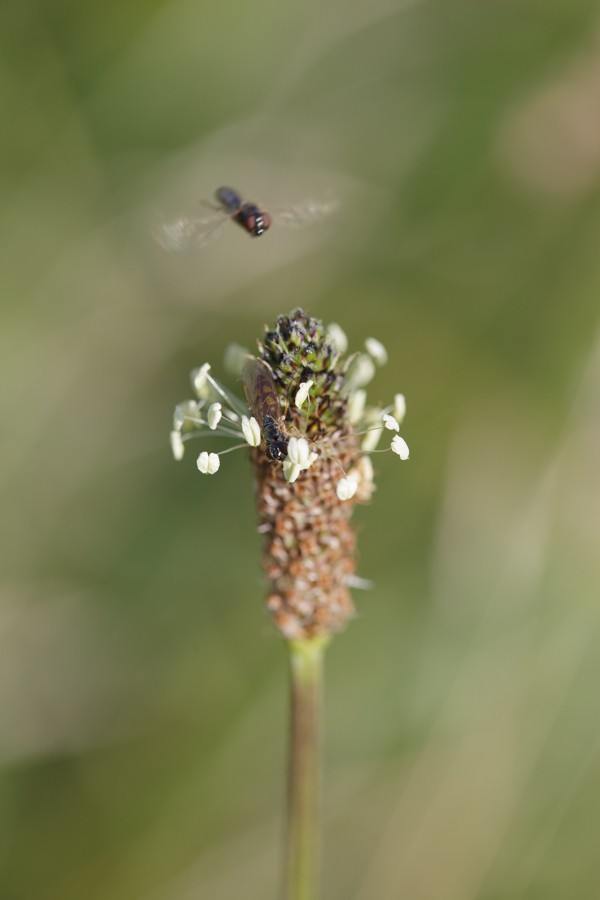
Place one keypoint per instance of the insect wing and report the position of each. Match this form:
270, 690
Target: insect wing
260, 391
306, 213
184, 233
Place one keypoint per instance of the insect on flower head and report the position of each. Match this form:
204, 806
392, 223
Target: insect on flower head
309, 430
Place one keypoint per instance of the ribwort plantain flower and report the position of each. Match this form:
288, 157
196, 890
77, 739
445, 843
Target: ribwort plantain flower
309, 430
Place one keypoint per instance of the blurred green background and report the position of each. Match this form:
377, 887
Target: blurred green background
142, 689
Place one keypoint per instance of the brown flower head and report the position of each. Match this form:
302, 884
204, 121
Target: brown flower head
310, 432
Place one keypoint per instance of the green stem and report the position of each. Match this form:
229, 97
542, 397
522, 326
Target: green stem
304, 786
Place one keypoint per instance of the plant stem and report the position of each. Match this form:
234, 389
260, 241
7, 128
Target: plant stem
304, 785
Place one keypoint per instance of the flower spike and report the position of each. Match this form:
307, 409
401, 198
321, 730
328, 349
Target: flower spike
308, 428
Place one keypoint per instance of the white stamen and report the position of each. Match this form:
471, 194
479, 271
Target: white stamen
376, 349
291, 471
400, 447
346, 487
361, 584
302, 393
371, 439
200, 381
337, 336
399, 407
298, 451
214, 415
251, 430
177, 445
356, 405
390, 423
364, 475
184, 412
208, 463
365, 468
299, 457
360, 371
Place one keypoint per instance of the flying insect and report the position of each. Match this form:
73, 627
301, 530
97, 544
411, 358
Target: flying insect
187, 231
251, 218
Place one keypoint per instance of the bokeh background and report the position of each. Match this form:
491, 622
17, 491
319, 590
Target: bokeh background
142, 689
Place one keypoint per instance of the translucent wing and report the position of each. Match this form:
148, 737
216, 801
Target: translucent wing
260, 391
305, 213
184, 233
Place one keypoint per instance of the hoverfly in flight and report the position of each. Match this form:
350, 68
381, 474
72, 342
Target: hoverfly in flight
248, 215
263, 402
184, 232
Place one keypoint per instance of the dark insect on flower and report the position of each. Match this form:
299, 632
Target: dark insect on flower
263, 402
252, 219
